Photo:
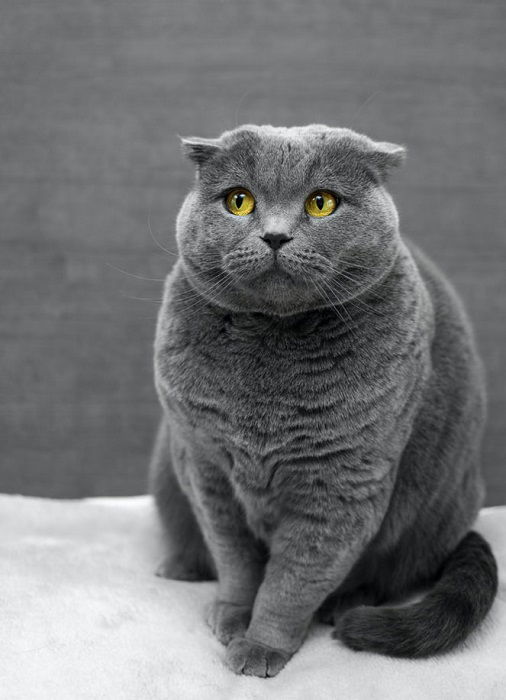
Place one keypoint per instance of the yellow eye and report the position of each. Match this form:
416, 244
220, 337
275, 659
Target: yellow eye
321, 203
240, 202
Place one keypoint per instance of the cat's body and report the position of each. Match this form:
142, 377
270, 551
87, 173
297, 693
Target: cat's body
328, 452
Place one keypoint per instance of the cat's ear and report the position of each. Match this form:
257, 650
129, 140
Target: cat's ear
200, 150
383, 156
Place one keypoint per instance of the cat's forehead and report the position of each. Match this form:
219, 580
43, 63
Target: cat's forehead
284, 158
310, 134
271, 140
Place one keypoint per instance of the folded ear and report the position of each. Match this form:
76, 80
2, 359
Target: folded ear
199, 150
384, 156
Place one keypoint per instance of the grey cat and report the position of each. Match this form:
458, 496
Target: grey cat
323, 404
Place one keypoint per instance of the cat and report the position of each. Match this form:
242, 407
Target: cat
323, 404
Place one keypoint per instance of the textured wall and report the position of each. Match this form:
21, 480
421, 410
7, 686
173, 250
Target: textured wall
92, 97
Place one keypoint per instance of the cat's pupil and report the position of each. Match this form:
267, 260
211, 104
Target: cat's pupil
319, 201
239, 198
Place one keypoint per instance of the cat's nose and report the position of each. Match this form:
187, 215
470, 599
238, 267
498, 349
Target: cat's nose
276, 240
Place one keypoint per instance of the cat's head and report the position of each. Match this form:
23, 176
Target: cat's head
284, 220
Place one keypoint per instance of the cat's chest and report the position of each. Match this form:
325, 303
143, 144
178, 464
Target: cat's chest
265, 405
257, 392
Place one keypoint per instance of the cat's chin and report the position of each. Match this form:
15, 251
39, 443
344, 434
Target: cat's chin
277, 292
276, 276
273, 283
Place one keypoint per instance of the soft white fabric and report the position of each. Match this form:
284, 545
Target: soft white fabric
83, 616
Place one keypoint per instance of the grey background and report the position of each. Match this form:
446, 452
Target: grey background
93, 95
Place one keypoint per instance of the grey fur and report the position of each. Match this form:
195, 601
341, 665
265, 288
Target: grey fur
322, 419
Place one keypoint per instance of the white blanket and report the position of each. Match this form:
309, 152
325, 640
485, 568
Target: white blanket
83, 616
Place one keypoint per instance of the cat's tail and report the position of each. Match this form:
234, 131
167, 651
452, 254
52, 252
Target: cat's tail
459, 601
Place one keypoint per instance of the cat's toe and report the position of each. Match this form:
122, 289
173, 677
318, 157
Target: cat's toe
250, 658
228, 620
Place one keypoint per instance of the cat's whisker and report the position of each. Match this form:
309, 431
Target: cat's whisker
369, 99
329, 287
341, 273
352, 263
342, 289
204, 300
369, 291
132, 274
194, 295
354, 300
344, 309
155, 239
325, 297
239, 104
191, 293
149, 299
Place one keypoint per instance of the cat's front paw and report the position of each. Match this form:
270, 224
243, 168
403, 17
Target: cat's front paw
228, 620
255, 659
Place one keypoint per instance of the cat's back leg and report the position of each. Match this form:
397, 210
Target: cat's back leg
187, 558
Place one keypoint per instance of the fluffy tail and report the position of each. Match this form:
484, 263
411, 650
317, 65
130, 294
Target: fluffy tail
459, 601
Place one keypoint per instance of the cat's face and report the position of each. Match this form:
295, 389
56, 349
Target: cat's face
287, 220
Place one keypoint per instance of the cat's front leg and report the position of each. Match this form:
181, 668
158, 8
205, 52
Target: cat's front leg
311, 554
238, 557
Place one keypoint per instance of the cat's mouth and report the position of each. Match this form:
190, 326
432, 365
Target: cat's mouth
271, 277
277, 264
276, 271
276, 285
274, 279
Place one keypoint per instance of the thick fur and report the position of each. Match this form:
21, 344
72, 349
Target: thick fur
323, 408
441, 620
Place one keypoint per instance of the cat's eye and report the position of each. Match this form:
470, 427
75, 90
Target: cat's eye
321, 203
240, 202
